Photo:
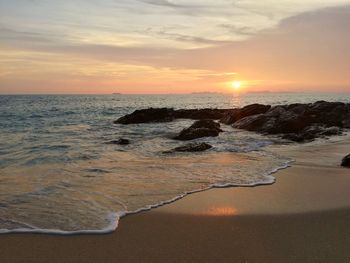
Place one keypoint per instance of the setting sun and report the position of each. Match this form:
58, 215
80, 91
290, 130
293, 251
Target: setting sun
236, 85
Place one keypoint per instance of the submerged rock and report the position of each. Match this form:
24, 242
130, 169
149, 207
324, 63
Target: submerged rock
346, 161
193, 147
199, 129
120, 142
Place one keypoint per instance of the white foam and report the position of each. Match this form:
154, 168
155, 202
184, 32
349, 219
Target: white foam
114, 221
116, 216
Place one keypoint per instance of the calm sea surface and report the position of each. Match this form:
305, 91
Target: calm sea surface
58, 175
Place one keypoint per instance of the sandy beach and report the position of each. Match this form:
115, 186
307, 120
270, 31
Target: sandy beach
303, 217
173, 131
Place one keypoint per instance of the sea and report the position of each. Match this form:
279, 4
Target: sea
58, 175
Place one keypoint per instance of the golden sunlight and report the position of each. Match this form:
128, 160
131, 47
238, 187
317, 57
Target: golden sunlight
221, 211
236, 85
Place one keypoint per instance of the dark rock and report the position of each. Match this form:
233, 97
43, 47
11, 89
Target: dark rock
329, 131
346, 123
120, 142
300, 122
251, 123
237, 114
191, 134
329, 113
295, 137
346, 161
308, 134
312, 132
277, 111
169, 114
209, 124
293, 124
193, 147
297, 122
199, 114
326, 106
284, 120
297, 108
199, 129
148, 115
227, 116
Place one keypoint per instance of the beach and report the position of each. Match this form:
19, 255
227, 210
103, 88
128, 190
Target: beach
175, 131
303, 217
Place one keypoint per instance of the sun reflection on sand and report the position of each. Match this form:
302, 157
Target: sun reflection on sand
221, 211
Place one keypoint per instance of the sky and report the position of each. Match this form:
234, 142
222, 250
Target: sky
173, 46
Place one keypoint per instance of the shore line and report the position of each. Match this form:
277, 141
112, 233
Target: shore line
303, 217
117, 216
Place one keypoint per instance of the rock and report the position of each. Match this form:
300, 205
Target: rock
300, 137
300, 122
329, 113
200, 114
346, 123
284, 120
120, 142
209, 124
297, 108
346, 161
191, 134
148, 115
325, 106
312, 132
193, 147
295, 137
276, 111
227, 116
329, 131
297, 122
237, 114
271, 123
251, 123
169, 114
199, 129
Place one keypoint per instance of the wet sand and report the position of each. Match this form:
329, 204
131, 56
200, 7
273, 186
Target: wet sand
303, 217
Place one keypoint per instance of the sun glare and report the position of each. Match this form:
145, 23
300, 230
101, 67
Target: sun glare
236, 85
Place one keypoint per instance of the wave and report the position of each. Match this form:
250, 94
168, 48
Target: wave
114, 217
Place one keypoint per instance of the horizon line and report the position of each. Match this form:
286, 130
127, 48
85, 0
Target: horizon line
175, 93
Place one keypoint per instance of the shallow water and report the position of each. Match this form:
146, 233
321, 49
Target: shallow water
58, 175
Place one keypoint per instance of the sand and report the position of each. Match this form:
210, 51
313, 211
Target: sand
303, 217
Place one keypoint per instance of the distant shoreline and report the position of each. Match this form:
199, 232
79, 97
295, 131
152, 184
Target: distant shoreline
193, 93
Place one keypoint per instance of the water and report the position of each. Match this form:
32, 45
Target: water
58, 175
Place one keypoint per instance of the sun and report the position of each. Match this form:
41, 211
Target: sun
236, 85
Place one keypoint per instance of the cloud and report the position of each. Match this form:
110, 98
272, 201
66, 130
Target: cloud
163, 3
164, 34
184, 23
14, 36
310, 48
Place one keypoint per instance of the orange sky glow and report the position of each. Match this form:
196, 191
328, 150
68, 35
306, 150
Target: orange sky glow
159, 46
